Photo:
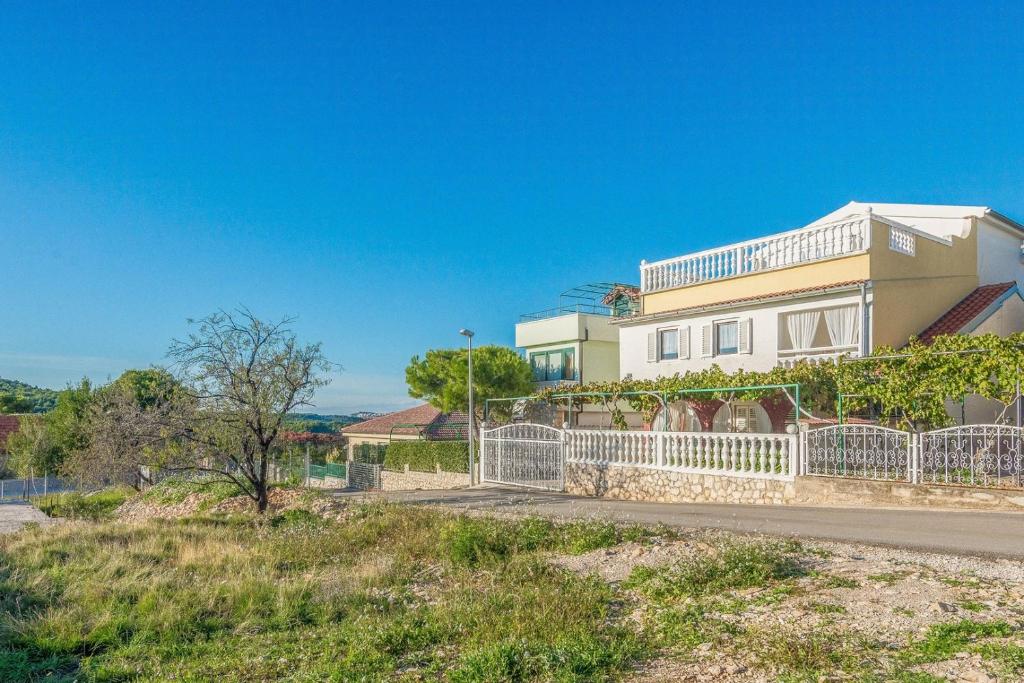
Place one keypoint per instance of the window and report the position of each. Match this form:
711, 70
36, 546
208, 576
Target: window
726, 338
744, 419
668, 342
672, 343
553, 366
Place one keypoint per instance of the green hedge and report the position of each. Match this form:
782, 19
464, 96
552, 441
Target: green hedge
452, 456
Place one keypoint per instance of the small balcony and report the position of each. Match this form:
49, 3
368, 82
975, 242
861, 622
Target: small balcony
554, 384
789, 358
775, 252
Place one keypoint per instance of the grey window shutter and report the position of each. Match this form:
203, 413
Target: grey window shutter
652, 347
745, 336
706, 346
684, 342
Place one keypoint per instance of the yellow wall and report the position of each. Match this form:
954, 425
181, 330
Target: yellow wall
816, 274
600, 361
912, 292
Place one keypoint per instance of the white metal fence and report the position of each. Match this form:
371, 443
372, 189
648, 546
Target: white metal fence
523, 455
970, 455
763, 456
862, 451
974, 455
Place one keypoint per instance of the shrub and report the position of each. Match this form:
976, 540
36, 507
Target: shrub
424, 456
74, 505
942, 641
737, 566
173, 490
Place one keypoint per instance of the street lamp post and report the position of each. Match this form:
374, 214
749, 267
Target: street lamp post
468, 334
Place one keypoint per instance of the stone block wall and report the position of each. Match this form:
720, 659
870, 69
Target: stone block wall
410, 480
326, 483
662, 486
846, 492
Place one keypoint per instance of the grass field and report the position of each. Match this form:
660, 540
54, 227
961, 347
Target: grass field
389, 592
405, 593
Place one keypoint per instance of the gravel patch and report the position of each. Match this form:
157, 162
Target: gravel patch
15, 515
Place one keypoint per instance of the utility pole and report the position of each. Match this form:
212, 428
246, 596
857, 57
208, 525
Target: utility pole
468, 334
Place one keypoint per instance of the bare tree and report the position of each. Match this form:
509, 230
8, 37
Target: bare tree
242, 376
125, 435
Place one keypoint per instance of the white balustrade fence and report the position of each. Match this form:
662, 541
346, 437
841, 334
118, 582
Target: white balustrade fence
975, 455
763, 456
769, 253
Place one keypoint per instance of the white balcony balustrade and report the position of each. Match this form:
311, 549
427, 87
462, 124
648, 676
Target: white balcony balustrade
783, 250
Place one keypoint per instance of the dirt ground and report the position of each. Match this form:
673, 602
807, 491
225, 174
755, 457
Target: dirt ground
880, 593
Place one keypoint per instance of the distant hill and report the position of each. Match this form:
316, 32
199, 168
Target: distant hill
18, 397
322, 424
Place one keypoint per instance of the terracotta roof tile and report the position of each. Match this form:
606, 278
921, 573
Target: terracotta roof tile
434, 423
955, 319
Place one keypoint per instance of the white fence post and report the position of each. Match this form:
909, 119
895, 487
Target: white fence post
794, 456
911, 450
659, 449
802, 435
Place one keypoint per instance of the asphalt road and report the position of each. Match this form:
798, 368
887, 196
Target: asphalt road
987, 534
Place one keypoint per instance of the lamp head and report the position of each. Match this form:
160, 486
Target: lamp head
466, 333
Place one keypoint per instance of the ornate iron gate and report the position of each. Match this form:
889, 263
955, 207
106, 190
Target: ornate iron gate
973, 455
863, 451
523, 455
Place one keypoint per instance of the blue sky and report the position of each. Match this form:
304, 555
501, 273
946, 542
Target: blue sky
390, 173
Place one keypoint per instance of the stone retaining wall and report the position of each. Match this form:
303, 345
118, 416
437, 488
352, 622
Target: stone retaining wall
326, 483
411, 480
846, 492
662, 486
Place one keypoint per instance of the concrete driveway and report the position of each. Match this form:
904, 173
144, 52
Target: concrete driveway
16, 514
988, 534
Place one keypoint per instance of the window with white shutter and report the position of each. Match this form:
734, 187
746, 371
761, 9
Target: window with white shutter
684, 342
652, 347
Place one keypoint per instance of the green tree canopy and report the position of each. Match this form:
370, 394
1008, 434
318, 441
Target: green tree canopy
440, 377
11, 403
150, 387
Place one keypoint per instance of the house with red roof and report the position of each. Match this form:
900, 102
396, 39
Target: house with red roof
417, 423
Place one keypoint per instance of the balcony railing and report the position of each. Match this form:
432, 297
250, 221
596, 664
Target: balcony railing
790, 357
783, 250
568, 309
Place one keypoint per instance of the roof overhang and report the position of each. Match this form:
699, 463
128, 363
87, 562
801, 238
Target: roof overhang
940, 220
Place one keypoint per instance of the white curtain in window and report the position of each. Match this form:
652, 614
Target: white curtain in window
842, 325
802, 327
